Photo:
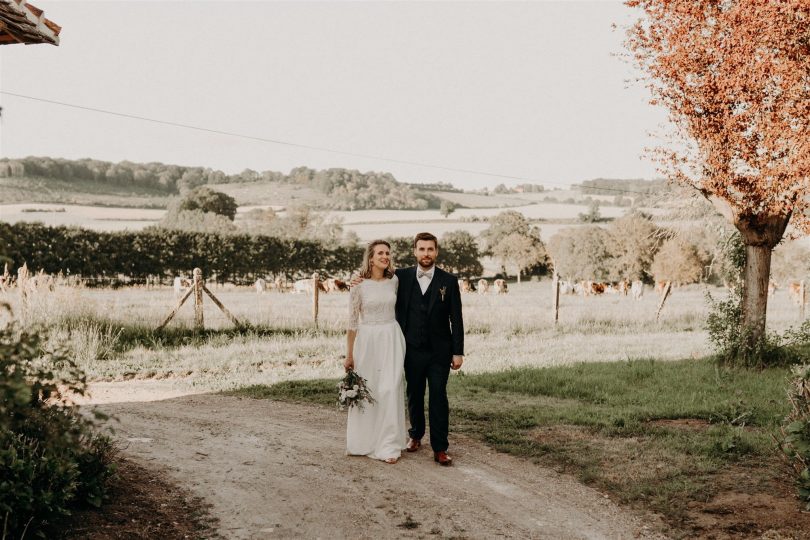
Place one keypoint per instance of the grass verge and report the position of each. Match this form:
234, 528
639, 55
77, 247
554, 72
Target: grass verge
665, 436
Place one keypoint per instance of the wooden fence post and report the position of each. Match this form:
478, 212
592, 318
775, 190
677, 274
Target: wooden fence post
664, 297
22, 283
555, 285
198, 299
197, 288
315, 282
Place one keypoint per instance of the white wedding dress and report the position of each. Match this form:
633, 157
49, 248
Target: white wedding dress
377, 430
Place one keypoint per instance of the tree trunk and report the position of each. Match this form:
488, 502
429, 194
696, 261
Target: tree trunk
755, 290
518, 275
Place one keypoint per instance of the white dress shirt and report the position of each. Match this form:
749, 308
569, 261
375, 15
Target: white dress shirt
424, 280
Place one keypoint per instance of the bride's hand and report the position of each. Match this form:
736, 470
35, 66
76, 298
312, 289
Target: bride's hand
348, 363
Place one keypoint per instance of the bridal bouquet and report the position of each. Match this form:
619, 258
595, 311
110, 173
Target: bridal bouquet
353, 391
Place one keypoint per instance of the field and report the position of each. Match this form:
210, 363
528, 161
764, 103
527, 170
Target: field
368, 224
608, 395
112, 332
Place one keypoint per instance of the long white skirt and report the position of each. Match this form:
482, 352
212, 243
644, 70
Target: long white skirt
378, 430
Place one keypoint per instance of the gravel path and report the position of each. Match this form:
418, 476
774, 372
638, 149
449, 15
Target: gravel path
278, 470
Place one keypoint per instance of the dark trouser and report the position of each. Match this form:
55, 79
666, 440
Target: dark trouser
422, 365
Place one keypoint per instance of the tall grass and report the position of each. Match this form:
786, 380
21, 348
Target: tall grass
112, 332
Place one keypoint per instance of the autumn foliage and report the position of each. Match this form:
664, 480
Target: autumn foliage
735, 78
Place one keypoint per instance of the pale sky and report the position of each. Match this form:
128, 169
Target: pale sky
525, 89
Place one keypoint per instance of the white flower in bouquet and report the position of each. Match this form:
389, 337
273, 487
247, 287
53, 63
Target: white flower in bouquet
353, 391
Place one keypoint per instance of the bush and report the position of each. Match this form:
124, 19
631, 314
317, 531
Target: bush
796, 431
50, 457
732, 340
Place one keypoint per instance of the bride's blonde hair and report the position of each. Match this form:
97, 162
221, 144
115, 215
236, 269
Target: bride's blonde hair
365, 269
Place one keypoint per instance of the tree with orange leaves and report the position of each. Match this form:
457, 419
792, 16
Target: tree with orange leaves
735, 77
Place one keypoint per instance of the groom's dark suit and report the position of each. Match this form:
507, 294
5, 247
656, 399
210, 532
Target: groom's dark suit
434, 332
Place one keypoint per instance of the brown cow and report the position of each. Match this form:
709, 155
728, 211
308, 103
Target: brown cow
596, 288
660, 286
335, 285
500, 287
466, 285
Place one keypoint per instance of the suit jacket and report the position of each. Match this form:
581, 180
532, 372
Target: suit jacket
445, 325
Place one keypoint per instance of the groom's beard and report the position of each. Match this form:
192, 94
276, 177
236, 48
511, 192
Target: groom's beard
426, 262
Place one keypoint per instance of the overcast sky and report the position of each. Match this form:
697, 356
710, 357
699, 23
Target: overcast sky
528, 89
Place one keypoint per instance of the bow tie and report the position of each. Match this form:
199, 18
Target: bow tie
421, 274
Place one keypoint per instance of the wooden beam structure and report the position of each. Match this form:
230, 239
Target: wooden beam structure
21, 22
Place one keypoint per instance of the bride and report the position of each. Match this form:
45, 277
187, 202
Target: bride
376, 351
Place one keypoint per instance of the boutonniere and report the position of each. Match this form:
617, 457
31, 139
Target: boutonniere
442, 291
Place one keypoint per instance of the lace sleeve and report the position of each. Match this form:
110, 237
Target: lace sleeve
354, 307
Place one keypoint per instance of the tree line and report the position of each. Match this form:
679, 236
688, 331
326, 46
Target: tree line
345, 189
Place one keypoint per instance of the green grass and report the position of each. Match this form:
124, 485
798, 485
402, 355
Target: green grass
615, 425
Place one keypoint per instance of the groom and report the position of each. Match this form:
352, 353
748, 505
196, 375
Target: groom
428, 309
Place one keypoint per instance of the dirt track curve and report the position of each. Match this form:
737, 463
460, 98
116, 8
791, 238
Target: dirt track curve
278, 470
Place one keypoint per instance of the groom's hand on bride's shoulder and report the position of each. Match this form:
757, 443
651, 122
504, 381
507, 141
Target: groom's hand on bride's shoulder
356, 280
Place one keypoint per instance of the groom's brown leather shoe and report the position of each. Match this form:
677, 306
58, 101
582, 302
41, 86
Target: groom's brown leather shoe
413, 445
442, 459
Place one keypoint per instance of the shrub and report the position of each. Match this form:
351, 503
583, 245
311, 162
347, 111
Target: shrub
796, 431
733, 343
51, 459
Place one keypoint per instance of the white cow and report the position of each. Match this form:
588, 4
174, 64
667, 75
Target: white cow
180, 283
500, 287
261, 285
303, 286
566, 287
483, 286
637, 289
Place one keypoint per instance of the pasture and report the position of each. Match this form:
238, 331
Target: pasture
367, 224
112, 332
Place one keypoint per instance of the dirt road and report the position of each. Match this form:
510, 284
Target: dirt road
278, 470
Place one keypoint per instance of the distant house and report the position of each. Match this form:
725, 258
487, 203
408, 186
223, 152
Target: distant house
20, 22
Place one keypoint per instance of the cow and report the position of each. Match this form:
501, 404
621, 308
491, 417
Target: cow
637, 289
466, 285
261, 286
585, 287
660, 287
335, 285
483, 286
500, 286
623, 287
280, 284
795, 292
567, 287
595, 288
180, 283
305, 286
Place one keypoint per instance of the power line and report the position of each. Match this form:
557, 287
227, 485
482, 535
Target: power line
305, 146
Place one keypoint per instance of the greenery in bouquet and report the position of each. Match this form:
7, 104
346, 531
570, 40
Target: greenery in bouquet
353, 391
